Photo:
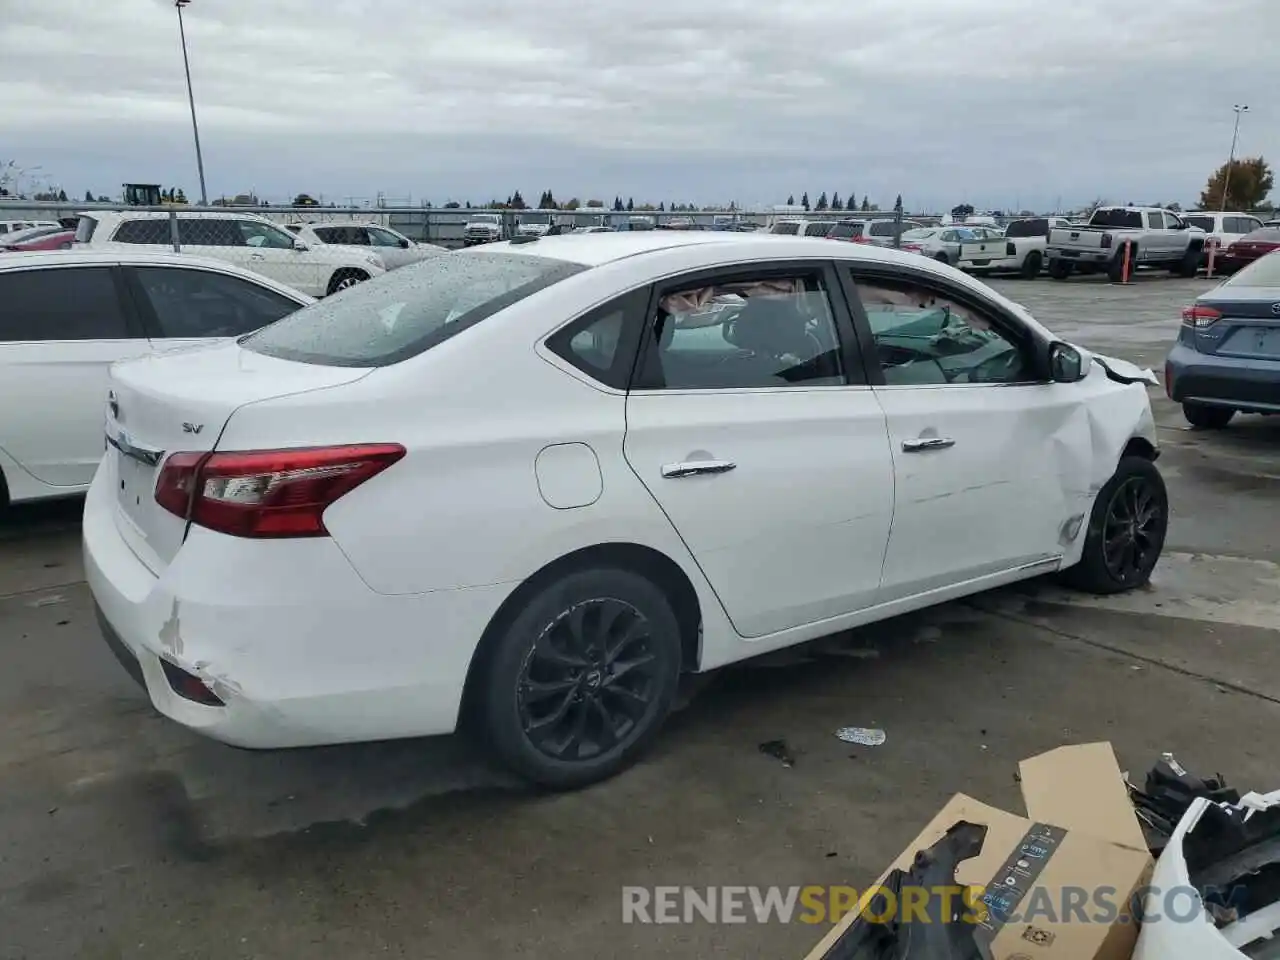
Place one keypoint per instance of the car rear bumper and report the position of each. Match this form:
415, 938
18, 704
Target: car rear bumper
285, 633
1242, 384
1079, 256
994, 263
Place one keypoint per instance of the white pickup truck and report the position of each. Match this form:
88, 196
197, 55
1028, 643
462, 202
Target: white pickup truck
1020, 250
1157, 238
484, 228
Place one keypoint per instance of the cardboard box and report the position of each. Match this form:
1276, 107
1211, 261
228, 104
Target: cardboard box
1057, 884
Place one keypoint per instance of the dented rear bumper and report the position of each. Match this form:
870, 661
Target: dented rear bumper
285, 634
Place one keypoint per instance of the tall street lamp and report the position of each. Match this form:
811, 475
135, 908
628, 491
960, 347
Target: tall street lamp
1239, 108
195, 127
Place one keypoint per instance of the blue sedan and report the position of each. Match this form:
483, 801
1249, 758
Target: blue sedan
1227, 357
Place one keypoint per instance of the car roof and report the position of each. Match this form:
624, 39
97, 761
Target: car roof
183, 214
597, 249
142, 257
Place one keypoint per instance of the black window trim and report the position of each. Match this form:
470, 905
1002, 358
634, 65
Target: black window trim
851, 357
132, 322
1030, 341
140, 303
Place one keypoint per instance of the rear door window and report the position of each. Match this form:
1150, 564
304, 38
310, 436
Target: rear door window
152, 230
1204, 223
191, 303
66, 303
209, 232
408, 311
1036, 227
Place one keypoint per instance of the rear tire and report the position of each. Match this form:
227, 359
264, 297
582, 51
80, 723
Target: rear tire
1059, 269
344, 279
1126, 533
1189, 265
1206, 417
578, 683
1032, 264
942, 257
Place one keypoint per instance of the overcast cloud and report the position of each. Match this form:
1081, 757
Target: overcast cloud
994, 102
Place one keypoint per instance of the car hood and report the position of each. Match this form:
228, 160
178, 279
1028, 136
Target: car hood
1120, 370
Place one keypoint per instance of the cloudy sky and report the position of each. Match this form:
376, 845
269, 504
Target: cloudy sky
1000, 103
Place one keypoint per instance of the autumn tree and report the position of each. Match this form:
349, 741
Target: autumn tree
1238, 185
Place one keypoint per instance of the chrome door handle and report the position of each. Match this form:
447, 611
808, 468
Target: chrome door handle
923, 444
256, 256
694, 468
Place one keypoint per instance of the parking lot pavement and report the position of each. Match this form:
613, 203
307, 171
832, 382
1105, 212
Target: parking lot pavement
124, 836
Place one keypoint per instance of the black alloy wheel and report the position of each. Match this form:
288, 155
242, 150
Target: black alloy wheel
577, 680
1126, 532
1133, 531
590, 677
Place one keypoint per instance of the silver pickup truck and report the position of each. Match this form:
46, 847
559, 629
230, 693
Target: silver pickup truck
1156, 237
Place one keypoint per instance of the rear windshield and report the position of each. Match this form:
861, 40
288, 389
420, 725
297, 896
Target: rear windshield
818, 228
1038, 227
1265, 235
1116, 217
1204, 223
85, 228
847, 230
1263, 272
407, 311
789, 227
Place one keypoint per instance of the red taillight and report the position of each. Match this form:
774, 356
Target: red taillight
268, 493
912, 247
1106, 241
1200, 317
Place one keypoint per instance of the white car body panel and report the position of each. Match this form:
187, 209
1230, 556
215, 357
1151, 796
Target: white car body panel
53, 392
803, 538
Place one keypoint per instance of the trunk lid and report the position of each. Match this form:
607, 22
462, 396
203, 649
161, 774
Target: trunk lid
181, 402
1250, 324
979, 253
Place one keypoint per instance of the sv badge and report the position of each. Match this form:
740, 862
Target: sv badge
192, 427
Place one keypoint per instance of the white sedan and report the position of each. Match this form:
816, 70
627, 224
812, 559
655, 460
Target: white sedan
68, 316
536, 481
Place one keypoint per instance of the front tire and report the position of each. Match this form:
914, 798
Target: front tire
345, 279
1126, 533
1206, 417
1031, 265
582, 677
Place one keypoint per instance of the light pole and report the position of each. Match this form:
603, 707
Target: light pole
191, 97
1239, 108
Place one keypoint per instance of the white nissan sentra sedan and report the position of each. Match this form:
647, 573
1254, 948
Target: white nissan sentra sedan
534, 482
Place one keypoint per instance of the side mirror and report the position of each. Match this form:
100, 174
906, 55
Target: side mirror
404, 243
300, 246
1065, 363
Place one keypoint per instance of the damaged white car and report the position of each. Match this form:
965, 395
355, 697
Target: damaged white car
535, 482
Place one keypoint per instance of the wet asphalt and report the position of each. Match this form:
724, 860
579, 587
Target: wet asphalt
122, 835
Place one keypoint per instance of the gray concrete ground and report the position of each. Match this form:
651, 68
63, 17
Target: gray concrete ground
122, 835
